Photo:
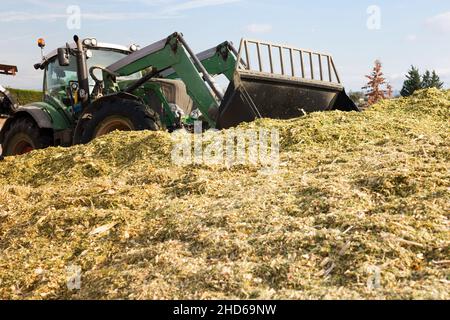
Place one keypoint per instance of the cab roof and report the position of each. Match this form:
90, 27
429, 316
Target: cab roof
100, 45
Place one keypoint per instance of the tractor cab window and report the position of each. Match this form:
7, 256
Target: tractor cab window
58, 79
104, 58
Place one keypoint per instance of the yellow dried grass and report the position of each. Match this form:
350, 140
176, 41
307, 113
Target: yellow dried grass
356, 193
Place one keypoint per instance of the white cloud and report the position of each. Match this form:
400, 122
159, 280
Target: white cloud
440, 22
11, 16
165, 9
445, 72
114, 16
196, 4
104, 16
259, 28
411, 37
46, 4
396, 76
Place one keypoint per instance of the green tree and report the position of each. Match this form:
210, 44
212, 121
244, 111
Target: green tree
412, 83
435, 81
426, 80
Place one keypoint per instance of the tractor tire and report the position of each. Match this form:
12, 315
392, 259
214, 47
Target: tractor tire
116, 114
23, 136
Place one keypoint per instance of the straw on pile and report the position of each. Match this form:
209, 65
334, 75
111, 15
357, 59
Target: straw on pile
359, 210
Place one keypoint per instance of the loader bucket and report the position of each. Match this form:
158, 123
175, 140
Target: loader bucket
263, 93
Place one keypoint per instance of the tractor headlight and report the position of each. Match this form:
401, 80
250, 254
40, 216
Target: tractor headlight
90, 42
134, 48
89, 54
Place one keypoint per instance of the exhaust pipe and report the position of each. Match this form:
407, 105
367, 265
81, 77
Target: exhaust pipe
83, 77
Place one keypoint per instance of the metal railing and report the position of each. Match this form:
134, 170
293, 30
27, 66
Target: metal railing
291, 62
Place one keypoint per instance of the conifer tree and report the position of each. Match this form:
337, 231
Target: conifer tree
375, 87
426, 80
435, 81
412, 83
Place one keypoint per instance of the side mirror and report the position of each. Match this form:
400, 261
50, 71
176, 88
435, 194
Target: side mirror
63, 57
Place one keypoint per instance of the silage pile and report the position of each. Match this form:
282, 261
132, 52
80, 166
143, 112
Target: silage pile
359, 210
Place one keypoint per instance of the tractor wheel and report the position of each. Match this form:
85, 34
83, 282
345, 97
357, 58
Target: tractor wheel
117, 114
24, 136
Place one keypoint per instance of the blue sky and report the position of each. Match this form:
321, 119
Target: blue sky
411, 31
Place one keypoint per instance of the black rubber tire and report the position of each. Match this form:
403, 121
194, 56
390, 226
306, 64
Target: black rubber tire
139, 116
23, 136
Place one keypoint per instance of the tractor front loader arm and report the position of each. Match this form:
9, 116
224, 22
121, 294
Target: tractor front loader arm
219, 60
174, 53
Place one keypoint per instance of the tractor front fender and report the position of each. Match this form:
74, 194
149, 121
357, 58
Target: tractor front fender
43, 114
42, 118
117, 96
39, 116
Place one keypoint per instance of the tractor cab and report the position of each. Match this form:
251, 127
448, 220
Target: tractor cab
61, 80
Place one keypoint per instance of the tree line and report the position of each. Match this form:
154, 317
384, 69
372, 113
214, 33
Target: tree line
414, 81
378, 88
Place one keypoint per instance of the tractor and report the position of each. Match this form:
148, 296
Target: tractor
92, 89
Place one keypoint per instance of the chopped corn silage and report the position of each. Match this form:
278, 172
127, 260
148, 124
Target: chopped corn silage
359, 210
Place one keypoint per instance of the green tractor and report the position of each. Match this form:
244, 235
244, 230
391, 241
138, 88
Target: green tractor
92, 89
